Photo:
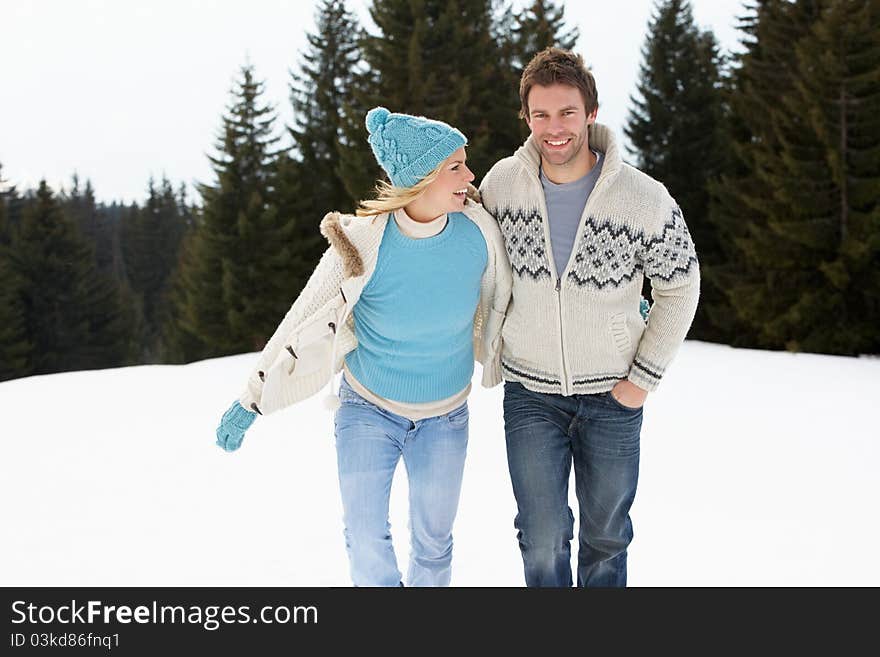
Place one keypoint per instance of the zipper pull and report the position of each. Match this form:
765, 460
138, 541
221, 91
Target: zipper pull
558, 284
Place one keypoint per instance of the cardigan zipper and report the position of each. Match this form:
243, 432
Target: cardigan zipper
566, 388
557, 282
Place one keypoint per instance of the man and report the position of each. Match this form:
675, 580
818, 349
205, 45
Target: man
582, 229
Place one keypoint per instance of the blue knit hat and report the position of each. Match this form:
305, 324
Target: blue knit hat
410, 147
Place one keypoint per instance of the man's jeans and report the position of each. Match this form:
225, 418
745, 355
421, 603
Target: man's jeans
545, 432
369, 443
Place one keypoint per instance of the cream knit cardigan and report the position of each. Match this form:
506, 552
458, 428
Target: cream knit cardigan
582, 333
309, 345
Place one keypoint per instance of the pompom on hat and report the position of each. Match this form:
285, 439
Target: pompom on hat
410, 147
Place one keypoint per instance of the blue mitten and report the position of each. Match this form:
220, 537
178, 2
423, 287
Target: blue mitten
644, 307
233, 425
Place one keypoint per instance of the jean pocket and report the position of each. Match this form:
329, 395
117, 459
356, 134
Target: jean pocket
629, 409
459, 417
515, 387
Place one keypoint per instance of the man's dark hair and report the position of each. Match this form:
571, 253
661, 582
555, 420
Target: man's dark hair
557, 66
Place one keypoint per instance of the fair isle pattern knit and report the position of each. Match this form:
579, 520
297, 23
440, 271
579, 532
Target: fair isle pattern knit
582, 333
614, 255
523, 232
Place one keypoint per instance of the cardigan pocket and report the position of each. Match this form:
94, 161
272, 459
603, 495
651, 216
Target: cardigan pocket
619, 333
309, 345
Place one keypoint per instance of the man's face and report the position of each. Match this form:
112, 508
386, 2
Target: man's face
558, 121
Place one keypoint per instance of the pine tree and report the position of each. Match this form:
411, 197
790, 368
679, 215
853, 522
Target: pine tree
79, 206
514, 50
310, 184
152, 237
73, 313
830, 132
179, 345
438, 59
806, 189
174, 220
675, 127
237, 282
187, 211
14, 344
728, 209
316, 94
7, 194
94, 223
510, 48
111, 220
540, 25
356, 165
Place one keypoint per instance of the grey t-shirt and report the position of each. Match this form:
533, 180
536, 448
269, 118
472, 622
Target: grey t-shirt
565, 205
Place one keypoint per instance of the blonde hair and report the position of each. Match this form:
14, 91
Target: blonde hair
390, 198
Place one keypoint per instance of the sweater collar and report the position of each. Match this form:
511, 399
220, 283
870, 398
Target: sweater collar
418, 229
601, 139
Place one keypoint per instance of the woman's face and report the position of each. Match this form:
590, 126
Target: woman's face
448, 192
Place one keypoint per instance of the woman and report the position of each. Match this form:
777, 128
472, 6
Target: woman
410, 292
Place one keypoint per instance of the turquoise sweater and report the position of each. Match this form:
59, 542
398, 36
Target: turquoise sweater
414, 318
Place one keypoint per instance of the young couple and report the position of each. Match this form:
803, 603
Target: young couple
541, 284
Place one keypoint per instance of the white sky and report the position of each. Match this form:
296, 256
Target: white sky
757, 468
119, 89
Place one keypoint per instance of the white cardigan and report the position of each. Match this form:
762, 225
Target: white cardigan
582, 333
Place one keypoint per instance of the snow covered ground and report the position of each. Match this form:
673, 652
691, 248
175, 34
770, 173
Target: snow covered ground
757, 468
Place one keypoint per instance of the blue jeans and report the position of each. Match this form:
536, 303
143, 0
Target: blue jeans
369, 443
545, 433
